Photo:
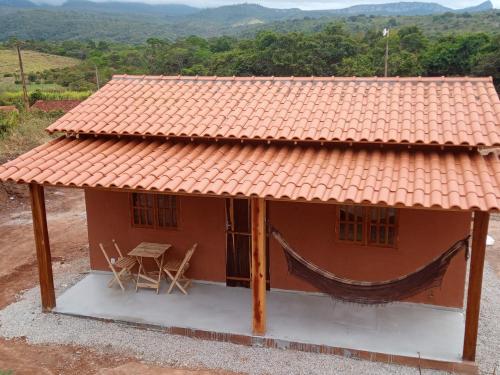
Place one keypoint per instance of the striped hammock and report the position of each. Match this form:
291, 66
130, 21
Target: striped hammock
371, 292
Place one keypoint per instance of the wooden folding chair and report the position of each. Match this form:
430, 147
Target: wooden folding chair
176, 269
125, 264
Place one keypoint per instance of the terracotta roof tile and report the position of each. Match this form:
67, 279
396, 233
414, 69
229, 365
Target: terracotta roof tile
441, 179
459, 111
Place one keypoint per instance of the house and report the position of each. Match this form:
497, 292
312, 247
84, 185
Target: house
55, 105
355, 181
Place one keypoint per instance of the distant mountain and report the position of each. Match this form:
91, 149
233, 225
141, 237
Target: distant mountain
135, 22
130, 8
17, 3
483, 7
400, 9
248, 15
239, 15
238, 12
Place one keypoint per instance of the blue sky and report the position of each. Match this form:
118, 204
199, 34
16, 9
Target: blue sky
303, 4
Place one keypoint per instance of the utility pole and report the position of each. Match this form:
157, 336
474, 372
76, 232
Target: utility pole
96, 76
386, 35
23, 78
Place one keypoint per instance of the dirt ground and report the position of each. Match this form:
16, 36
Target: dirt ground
493, 252
67, 232
68, 238
18, 271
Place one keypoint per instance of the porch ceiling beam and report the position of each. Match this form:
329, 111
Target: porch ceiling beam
258, 274
479, 233
42, 244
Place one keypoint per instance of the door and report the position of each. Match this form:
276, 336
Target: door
239, 243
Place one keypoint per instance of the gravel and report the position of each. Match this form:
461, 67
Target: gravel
24, 319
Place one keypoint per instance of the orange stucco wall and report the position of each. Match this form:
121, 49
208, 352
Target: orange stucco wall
201, 220
309, 228
422, 235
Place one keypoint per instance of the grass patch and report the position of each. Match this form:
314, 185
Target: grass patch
32, 61
29, 133
46, 95
8, 120
8, 84
16, 97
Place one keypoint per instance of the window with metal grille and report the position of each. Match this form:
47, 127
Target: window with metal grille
154, 210
166, 210
382, 226
351, 223
367, 225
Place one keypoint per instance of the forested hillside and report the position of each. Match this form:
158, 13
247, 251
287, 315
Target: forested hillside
135, 23
44, 24
332, 51
432, 26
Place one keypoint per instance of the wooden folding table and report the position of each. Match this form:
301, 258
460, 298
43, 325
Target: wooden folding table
149, 250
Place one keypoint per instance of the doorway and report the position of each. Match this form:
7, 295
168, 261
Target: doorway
239, 243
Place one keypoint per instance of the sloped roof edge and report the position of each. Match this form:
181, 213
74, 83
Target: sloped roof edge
442, 180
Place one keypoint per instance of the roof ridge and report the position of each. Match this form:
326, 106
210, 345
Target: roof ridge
311, 78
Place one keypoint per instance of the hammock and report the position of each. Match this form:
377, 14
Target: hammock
376, 292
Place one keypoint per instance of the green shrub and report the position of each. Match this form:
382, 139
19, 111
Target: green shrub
32, 77
35, 95
28, 134
8, 120
6, 372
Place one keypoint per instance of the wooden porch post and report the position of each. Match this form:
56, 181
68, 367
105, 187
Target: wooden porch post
42, 247
258, 274
479, 232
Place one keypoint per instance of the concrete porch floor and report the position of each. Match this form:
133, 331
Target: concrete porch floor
403, 329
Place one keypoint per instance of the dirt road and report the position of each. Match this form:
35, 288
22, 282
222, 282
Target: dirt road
67, 230
18, 271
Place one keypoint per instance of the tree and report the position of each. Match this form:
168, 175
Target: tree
454, 55
412, 39
487, 61
222, 44
360, 65
333, 45
103, 46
